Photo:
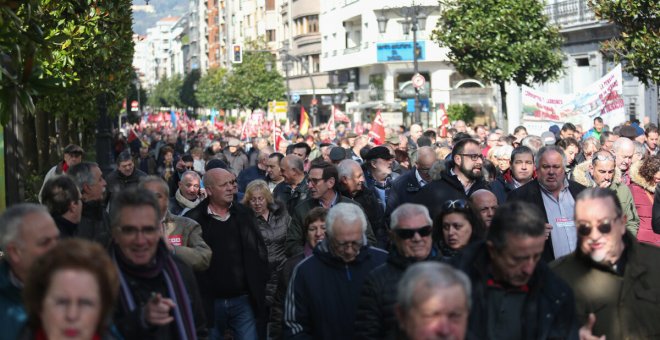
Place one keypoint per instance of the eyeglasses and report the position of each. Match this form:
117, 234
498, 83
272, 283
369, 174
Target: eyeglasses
472, 156
605, 227
314, 181
454, 204
132, 231
349, 244
406, 234
257, 199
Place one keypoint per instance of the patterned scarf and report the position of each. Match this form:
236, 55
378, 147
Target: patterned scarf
176, 288
186, 202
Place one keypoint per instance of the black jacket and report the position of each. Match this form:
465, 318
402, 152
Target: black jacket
375, 317
531, 193
95, 223
374, 211
283, 193
548, 310
404, 188
255, 255
248, 175
448, 187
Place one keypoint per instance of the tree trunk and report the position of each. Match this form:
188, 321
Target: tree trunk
505, 117
54, 139
33, 178
43, 143
15, 167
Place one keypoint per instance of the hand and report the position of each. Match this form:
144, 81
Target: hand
548, 229
168, 244
586, 331
605, 184
157, 310
202, 193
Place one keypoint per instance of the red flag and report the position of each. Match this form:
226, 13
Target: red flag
132, 136
331, 124
339, 116
377, 131
444, 120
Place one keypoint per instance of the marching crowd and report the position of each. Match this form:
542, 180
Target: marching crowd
458, 233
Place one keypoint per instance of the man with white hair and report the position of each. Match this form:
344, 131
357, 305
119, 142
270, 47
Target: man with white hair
433, 302
27, 231
323, 293
624, 149
188, 195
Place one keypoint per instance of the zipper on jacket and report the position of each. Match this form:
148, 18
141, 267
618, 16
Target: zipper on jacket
348, 272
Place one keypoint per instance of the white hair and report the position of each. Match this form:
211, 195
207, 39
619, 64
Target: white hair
344, 213
11, 221
423, 279
408, 210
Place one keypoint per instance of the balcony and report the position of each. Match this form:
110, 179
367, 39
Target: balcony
570, 14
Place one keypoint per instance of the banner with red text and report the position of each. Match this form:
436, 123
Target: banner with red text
603, 98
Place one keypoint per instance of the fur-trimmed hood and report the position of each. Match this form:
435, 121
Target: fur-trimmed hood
636, 178
582, 175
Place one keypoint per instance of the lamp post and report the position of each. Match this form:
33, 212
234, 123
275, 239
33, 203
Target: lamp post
287, 61
414, 19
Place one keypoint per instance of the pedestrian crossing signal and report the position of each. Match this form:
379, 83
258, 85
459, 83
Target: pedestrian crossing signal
237, 56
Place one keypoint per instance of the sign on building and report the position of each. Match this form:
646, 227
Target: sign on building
400, 51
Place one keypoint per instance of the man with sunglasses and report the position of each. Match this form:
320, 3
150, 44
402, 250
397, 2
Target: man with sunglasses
410, 233
602, 172
614, 277
410, 183
462, 177
234, 285
323, 293
159, 298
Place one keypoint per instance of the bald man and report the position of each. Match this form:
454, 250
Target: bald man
410, 183
623, 149
234, 285
485, 202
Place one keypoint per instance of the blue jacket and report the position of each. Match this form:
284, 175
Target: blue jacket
322, 298
12, 312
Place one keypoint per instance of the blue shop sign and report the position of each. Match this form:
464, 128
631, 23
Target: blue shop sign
400, 51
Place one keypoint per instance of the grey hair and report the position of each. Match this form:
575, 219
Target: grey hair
191, 173
82, 174
640, 149
421, 280
592, 141
548, 148
408, 210
346, 213
597, 192
345, 168
504, 151
622, 142
437, 169
154, 179
11, 221
533, 142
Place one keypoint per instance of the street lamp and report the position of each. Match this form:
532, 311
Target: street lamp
287, 63
414, 19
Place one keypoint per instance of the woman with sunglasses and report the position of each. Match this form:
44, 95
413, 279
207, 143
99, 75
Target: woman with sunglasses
457, 225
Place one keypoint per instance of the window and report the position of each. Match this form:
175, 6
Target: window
270, 35
316, 65
307, 24
581, 62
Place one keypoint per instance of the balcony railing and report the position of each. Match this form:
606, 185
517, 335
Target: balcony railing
570, 13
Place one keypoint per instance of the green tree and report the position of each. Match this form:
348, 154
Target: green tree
167, 93
211, 90
190, 82
463, 112
500, 41
638, 45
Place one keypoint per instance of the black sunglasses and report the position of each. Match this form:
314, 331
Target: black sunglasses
406, 234
584, 229
454, 204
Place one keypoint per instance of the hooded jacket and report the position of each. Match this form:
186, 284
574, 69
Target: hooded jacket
581, 175
643, 192
322, 298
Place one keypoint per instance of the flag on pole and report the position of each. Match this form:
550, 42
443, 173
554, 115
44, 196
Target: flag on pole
443, 119
304, 121
377, 131
339, 116
331, 124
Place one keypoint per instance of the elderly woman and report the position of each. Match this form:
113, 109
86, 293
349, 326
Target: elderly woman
503, 156
457, 225
644, 176
70, 292
314, 224
272, 220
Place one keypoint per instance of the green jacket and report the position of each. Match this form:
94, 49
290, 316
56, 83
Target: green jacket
581, 175
295, 234
626, 307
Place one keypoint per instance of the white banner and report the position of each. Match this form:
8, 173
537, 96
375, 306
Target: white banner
604, 98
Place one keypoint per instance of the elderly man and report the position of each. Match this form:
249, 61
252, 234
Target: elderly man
95, 222
554, 195
126, 175
234, 285
433, 302
623, 149
410, 233
188, 195
62, 198
324, 289
293, 189
26, 232
520, 172
322, 186
602, 172
73, 155
273, 170
159, 297
485, 203
254, 172
517, 296
182, 236
410, 183
614, 277
378, 173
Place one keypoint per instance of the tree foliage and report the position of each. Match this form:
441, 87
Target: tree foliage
638, 45
462, 112
167, 93
211, 90
500, 41
190, 82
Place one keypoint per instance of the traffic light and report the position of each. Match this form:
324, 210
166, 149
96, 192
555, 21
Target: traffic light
237, 57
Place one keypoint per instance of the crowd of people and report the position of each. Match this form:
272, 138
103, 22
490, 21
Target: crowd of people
457, 233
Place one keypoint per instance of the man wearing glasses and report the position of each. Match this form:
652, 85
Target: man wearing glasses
159, 298
462, 177
234, 285
322, 183
323, 293
410, 232
602, 172
614, 277
410, 183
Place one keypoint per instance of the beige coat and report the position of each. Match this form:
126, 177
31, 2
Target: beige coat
185, 235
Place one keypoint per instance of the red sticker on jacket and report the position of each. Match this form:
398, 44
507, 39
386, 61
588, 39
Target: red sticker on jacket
176, 240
